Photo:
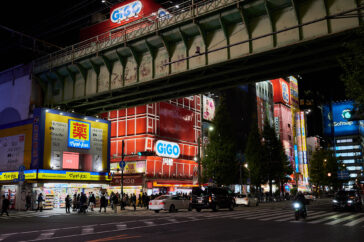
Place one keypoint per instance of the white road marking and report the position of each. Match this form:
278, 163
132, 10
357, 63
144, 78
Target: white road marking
281, 216
343, 219
88, 230
45, 236
4, 236
149, 223
262, 215
355, 222
309, 216
121, 226
336, 216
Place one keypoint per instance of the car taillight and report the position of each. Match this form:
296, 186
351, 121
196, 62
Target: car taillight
150, 203
210, 199
161, 203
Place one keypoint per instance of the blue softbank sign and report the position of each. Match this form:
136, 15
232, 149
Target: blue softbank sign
167, 149
337, 118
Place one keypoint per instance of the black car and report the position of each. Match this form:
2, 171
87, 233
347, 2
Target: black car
347, 200
212, 198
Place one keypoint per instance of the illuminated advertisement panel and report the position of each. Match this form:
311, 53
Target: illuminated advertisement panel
339, 119
303, 131
281, 91
16, 145
294, 91
11, 175
208, 108
361, 127
79, 134
176, 122
71, 141
296, 158
72, 175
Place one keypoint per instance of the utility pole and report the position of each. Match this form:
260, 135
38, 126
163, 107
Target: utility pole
122, 171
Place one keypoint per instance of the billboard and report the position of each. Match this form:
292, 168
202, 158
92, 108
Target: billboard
208, 108
176, 122
15, 145
294, 91
70, 141
336, 118
281, 91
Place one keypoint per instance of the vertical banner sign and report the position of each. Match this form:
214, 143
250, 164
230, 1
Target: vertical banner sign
296, 158
276, 126
79, 134
36, 140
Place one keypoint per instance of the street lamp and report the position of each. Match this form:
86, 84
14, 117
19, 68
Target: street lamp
211, 128
329, 174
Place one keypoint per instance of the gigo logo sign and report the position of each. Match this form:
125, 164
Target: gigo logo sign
125, 12
285, 93
167, 149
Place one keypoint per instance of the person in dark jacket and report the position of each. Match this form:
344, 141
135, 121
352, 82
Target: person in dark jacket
92, 201
28, 202
5, 206
40, 202
83, 203
103, 202
133, 201
67, 201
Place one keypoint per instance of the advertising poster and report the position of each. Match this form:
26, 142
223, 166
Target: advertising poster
281, 91
339, 119
208, 108
15, 145
74, 143
294, 92
303, 131
176, 122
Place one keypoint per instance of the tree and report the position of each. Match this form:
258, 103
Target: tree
323, 169
257, 164
353, 65
278, 165
220, 162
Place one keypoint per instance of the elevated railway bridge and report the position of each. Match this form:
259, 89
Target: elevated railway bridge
211, 45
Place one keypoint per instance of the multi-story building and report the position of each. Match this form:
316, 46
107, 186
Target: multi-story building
139, 128
346, 136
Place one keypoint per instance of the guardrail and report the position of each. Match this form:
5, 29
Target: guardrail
137, 29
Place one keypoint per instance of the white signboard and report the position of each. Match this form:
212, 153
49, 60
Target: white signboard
208, 108
12, 152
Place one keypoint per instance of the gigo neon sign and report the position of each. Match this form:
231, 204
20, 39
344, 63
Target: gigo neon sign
167, 149
125, 12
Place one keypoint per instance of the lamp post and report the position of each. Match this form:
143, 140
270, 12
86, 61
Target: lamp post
247, 167
122, 174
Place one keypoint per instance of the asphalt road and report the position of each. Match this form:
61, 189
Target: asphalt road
268, 222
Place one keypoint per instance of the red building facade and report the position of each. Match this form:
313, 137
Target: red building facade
140, 127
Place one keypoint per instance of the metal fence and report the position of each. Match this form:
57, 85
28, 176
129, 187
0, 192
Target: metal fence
149, 24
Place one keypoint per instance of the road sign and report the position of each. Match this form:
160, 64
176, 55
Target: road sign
122, 164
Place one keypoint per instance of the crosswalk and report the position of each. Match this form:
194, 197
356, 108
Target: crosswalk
331, 218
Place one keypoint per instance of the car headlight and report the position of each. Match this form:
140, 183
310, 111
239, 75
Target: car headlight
350, 201
296, 205
334, 201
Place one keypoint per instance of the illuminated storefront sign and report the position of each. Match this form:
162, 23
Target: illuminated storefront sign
126, 11
167, 149
72, 175
11, 175
285, 92
79, 134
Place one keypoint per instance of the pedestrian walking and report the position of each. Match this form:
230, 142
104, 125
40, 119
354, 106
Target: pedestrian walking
40, 202
133, 201
92, 201
140, 204
5, 206
103, 202
28, 202
115, 201
68, 203
83, 203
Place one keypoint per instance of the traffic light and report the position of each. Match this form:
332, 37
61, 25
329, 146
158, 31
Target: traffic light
146, 153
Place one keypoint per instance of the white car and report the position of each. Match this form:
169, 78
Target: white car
243, 199
169, 203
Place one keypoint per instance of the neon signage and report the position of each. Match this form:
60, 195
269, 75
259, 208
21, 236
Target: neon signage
125, 12
167, 149
79, 134
285, 93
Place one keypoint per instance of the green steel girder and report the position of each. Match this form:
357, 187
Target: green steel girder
123, 64
359, 11
186, 43
296, 8
152, 52
72, 75
168, 48
248, 30
225, 30
328, 21
203, 35
62, 79
271, 20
